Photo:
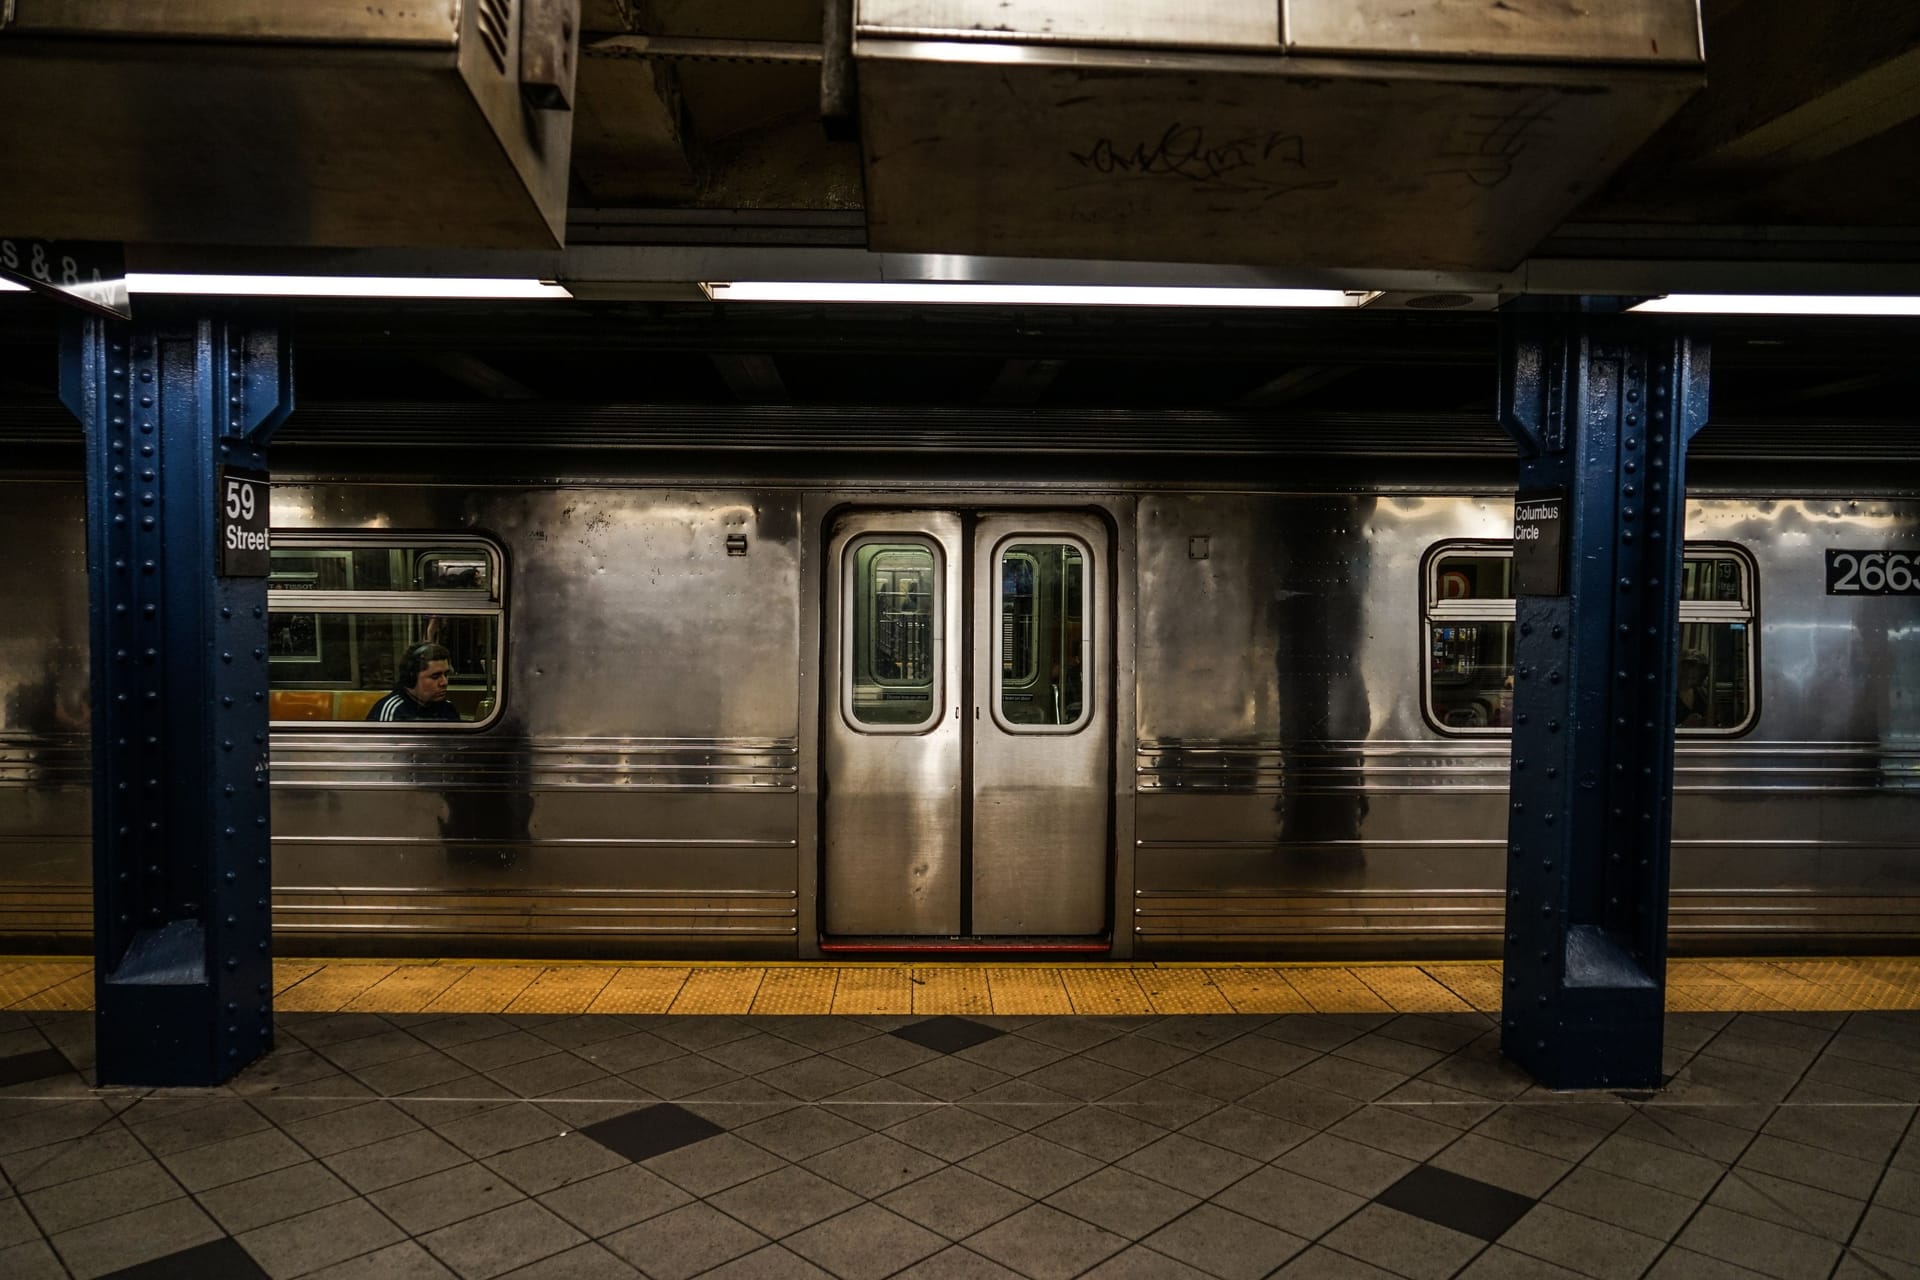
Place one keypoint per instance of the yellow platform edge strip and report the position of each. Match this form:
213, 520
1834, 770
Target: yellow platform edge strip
921, 987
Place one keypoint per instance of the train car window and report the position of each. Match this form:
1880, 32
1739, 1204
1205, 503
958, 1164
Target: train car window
1469, 646
891, 653
347, 609
1040, 647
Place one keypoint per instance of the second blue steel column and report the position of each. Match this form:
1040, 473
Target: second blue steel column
183, 960
1602, 407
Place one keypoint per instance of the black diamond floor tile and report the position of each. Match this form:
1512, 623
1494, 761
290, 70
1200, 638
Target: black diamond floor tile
947, 1034
222, 1258
1457, 1202
38, 1065
652, 1131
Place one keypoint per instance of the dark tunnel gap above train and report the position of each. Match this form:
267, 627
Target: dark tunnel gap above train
1269, 364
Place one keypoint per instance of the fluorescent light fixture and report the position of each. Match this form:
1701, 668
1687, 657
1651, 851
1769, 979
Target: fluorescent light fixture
342, 286
1038, 295
8, 286
1782, 304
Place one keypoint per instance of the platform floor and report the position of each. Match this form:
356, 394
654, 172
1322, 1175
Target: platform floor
456, 986
938, 1146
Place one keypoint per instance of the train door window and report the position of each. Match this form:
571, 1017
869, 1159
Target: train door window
1039, 646
893, 639
345, 610
1469, 639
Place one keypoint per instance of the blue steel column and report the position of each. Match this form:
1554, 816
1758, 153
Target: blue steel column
1602, 408
183, 964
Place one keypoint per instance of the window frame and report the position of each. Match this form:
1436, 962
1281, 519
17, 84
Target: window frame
850, 598
997, 686
1436, 611
490, 603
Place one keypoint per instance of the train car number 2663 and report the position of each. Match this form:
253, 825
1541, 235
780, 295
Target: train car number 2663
1873, 573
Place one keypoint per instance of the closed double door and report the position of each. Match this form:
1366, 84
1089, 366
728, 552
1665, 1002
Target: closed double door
966, 741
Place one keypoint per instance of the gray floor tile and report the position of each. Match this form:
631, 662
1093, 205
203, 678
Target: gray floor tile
1814, 1166
1217, 1077
774, 1262
1624, 1203
818, 1032
615, 1199
753, 1054
274, 1197
816, 1078
679, 1078
439, 1199
1397, 1130
395, 1160
1196, 1167
1082, 1078
389, 1045
77, 1156
1223, 1243
1348, 1078
422, 1071
872, 1165
356, 1126
1865, 1132
1538, 1129
1684, 1264
33, 1260
950, 1132
787, 1200
1249, 1133
1693, 1130
885, 1055
957, 1263
684, 1242
17, 1226
1322, 1263
954, 1202
494, 1052
320, 1238
1889, 1232
135, 1237
1020, 1104
1013, 1055
950, 1079
1762, 1246
539, 1077
545, 1166
1101, 1132
403, 1261
1684, 1173
1045, 1244
200, 1168
1287, 1200
1389, 1053
1481, 1072
1517, 1169
1300, 1103
215, 1122
1899, 1189
1265, 1054
1581, 1244
1031, 1165
714, 1164
1496, 1263
1788, 1204
501, 1240
1347, 1165
582, 1262
1121, 1202
1455, 1108
1402, 1243
629, 1052
865, 1243
801, 1132
500, 1128
90, 1199
1161, 1103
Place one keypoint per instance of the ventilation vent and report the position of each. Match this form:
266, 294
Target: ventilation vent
493, 29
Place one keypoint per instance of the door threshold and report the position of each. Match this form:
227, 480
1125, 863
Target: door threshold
967, 946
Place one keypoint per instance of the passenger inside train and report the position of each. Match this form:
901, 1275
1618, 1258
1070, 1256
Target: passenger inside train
420, 692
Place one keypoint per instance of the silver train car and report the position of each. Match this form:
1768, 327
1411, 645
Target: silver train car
1239, 715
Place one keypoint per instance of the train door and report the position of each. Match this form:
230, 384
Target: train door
967, 733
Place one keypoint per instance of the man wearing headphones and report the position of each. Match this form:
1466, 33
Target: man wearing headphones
421, 691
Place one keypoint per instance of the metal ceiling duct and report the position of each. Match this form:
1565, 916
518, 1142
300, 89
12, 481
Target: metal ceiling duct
1419, 134
323, 122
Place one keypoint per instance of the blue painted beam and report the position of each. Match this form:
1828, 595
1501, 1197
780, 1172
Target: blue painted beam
1602, 408
182, 948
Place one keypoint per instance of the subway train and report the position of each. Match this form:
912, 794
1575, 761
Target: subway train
1095, 701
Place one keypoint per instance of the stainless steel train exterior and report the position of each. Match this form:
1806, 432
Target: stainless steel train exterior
694, 744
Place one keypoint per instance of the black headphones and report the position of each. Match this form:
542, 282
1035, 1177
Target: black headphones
416, 659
